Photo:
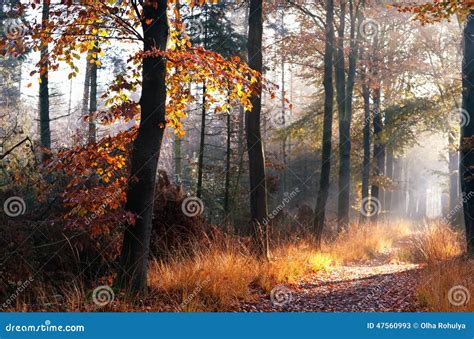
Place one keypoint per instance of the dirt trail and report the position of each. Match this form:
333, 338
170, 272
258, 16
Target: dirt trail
371, 287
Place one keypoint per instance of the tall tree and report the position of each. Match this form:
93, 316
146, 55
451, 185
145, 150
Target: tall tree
258, 187
45, 130
93, 94
377, 121
146, 148
217, 34
324, 180
467, 133
345, 89
366, 141
227, 165
87, 87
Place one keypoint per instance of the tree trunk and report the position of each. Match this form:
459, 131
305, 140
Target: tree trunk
146, 150
345, 119
283, 114
344, 141
93, 96
453, 161
366, 143
379, 150
258, 189
324, 180
397, 187
201, 143
466, 169
389, 174
45, 131
87, 86
227, 168
177, 158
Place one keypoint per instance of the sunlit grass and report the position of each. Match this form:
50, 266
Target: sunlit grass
367, 241
221, 275
435, 242
448, 286
219, 278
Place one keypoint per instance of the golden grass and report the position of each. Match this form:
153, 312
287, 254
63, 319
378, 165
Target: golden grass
216, 279
210, 280
221, 277
435, 242
447, 287
440, 247
367, 241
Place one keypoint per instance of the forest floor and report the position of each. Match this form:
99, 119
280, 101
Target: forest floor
377, 285
368, 287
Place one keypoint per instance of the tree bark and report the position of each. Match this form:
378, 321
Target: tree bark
453, 161
227, 168
389, 174
93, 97
146, 150
466, 169
366, 143
177, 159
344, 141
45, 130
258, 189
324, 180
87, 85
345, 94
379, 149
202, 141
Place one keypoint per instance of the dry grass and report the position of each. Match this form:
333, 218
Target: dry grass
440, 247
221, 277
365, 242
455, 275
435, 242
216, 279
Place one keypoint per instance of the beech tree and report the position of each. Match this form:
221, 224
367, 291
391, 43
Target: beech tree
258, 186
324, 180
45, 129
163, 70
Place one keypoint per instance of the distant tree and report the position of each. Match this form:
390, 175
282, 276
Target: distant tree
211, 28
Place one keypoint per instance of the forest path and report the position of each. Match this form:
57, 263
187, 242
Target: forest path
368, 287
